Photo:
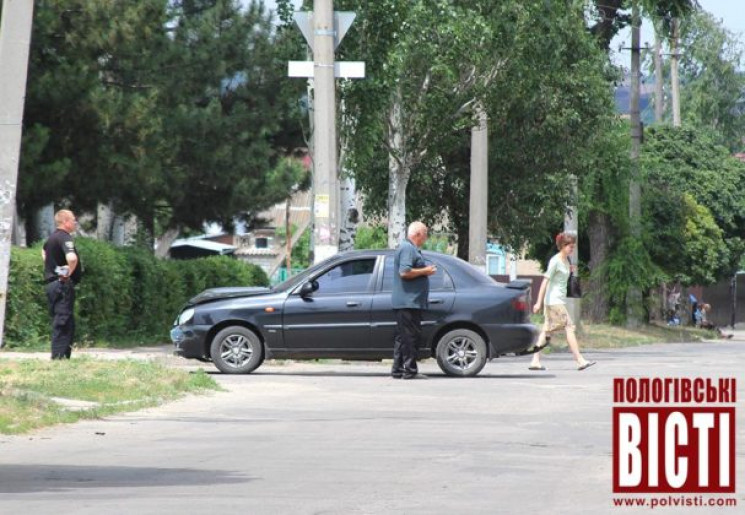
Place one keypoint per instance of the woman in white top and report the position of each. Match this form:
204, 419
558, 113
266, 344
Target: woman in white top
552, 296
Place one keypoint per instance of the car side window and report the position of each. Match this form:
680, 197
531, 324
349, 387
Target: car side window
439, 281
348, 277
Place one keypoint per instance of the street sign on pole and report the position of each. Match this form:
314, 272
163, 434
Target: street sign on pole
342, 21
324, 29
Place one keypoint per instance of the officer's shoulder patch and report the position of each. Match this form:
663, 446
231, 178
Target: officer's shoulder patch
69, 245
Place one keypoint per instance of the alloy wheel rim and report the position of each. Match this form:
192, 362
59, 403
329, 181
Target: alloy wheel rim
236, 350
462, 353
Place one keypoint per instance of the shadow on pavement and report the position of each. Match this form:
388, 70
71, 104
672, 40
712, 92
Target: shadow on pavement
384, 375
17, 478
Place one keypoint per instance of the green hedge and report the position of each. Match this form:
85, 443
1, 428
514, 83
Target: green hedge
126, 294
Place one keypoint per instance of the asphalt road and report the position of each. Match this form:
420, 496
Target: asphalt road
341, 438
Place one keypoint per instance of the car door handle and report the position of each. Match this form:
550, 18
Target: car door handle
352, 304
436, 301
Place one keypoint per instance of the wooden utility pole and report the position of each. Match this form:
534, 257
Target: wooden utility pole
479, 190
634, 294
15, 39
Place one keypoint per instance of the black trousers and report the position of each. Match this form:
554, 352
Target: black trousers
406, 342
61, 301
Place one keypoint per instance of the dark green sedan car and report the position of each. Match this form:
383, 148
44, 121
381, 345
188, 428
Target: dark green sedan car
341, 308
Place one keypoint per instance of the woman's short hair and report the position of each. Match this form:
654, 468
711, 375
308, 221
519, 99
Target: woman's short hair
565, 238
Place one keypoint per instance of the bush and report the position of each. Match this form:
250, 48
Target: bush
126, 294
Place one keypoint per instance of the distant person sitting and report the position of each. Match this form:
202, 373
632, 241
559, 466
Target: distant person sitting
704, 322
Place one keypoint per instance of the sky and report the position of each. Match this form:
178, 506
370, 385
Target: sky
730, 11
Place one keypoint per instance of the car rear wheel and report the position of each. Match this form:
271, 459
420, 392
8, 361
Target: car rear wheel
236, 350
461, 353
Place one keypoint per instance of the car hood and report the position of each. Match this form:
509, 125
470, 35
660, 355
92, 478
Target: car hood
228, 293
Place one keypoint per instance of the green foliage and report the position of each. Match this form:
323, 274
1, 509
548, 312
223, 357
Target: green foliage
371, 237
712, 82
695, 197
175, 110
437, 243
300, 257
630, 266
26, 312
125, 294
545, 97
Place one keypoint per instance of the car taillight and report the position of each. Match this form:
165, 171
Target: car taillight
520, 303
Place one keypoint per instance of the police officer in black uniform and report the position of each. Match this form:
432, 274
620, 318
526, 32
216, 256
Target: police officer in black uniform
61, 274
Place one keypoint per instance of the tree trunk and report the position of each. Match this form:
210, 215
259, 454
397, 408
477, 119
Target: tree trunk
398, 177
43, 221
571, 224
349, 214
104, 222
347, 195
462, 233
124, 230
165, 241
598, 230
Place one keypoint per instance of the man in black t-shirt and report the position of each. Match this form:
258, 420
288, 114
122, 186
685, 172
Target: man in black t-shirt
61, 274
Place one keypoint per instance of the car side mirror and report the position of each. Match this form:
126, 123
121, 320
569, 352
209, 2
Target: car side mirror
307, 288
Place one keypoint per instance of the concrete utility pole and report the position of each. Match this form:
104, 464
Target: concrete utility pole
479, 191
659, 98
323, 30
674, 75
326, 230
15, 39
634, 294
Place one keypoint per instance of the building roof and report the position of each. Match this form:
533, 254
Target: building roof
212, 246
246, 251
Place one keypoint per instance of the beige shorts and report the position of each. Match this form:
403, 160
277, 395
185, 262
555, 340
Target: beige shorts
557, 317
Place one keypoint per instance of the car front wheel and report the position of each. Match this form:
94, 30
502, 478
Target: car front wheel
461, 353
236, 350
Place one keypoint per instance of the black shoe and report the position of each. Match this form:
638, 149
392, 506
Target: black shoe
415, 376
397, 376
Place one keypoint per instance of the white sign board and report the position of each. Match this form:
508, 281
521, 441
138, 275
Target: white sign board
342, 69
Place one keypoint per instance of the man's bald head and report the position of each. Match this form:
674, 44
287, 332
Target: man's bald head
417, 233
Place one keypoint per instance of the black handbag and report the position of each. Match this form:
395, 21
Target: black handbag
574, 290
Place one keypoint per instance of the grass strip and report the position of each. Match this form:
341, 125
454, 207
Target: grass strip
38, 393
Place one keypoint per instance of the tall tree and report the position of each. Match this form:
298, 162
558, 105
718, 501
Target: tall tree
175, 109
606, 226
424, 75
539, 102
713, 85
